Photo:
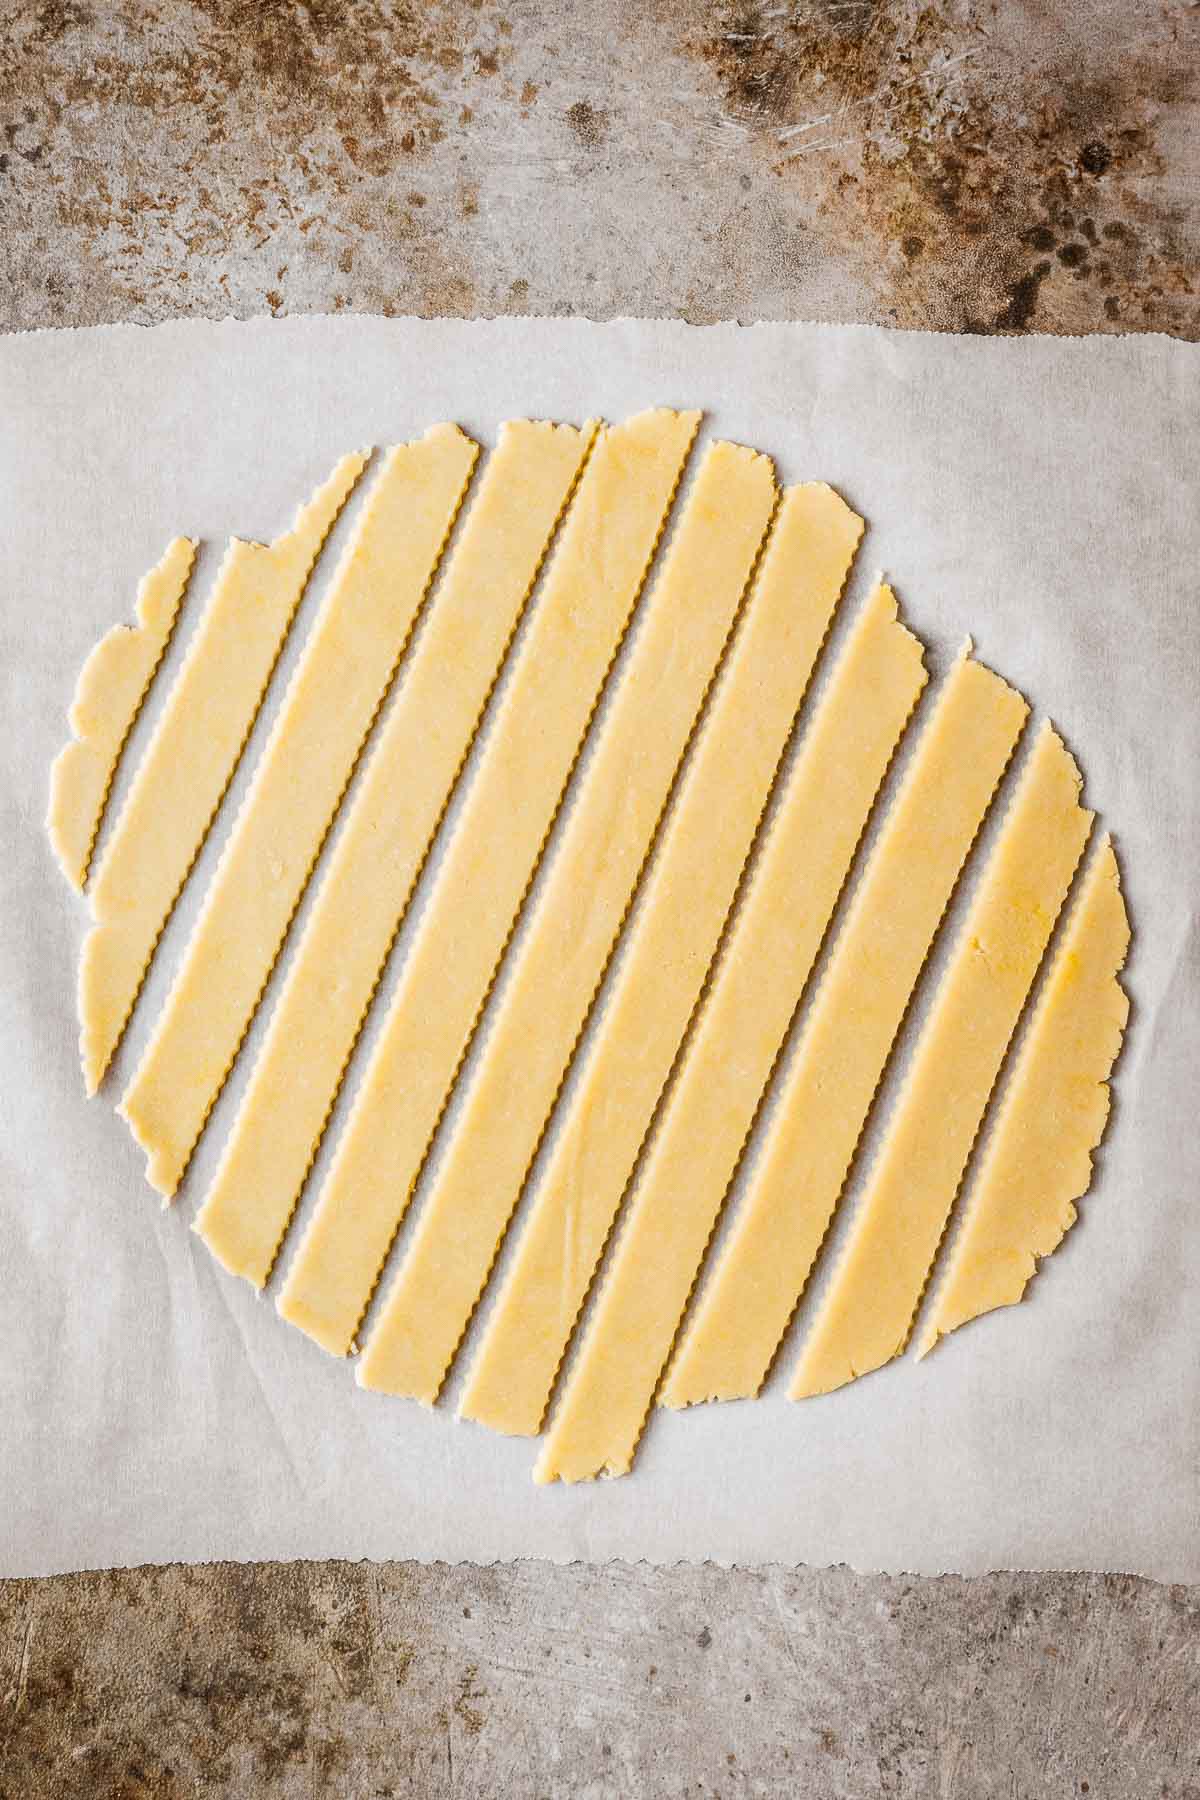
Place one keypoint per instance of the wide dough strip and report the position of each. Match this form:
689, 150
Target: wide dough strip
1052, 1115
688, 891
383, 838
844, 1045
189, 761
767, 961
347, 663
866, 1314
776, 935
684, 623
108, 696
591, 587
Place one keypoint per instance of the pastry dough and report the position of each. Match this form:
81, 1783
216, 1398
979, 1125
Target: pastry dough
1052, 1116
893, 917
377, 854
687, 894
346, 666
776, 934
554, 976
607, 543
866, 1315
108, 696
189, 761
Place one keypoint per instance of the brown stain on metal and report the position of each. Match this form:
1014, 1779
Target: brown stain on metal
914, 158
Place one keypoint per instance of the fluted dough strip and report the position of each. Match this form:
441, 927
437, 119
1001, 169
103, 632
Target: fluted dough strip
867, 1313
592, 585
689, 888
189, 761
345, 668
383, 838
686, 620
108, 696
1052, 1116
826, 1094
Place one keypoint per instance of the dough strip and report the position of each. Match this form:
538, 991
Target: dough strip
826, 1093
866, 1314
592, 586
689, 888
1052, 1116
685, 622
383, 838
346, 667
189, 762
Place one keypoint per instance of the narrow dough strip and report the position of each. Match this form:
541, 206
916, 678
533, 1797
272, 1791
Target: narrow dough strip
345, 668
689, 889
190, 760
686, 621
108, 697
1052, 1116
383, 838
867, 1313
891, 923
592, 585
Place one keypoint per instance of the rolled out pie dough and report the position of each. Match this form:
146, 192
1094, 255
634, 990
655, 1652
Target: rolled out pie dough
666, 823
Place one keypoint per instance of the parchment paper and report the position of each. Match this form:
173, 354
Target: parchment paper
1039, 493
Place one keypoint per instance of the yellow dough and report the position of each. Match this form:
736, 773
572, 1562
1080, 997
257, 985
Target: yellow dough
686, 620
592, 585
108, 695
776, 934
867, 1313
189, 761
892, 919
376, 856
1052, 1116
346, 666
689, 888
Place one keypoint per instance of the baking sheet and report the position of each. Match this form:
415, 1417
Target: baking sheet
1039, 493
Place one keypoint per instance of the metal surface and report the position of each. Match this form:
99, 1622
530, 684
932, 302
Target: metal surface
1008, 167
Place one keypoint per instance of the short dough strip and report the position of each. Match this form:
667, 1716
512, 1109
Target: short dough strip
689, 888
552, 981
108, 697
190, 760
592, 585
826, 1094
383, 838
866, 1315
1052, 1116
776, 935
347, 663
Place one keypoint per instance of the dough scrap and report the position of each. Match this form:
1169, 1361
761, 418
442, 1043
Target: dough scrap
1052, 1116
592, 584
685, 623
826, 1093
346, 665
709, 1109
190, 760
108, 697
866, 1314
383, 838
689, 888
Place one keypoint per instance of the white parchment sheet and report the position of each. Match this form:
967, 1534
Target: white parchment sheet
1040, 494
